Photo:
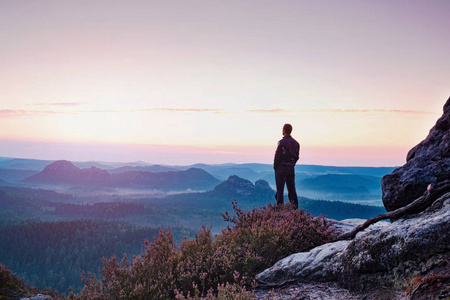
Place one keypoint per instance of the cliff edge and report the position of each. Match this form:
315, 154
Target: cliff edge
410, 256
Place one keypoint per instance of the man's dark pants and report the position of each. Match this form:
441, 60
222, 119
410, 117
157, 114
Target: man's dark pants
286, 174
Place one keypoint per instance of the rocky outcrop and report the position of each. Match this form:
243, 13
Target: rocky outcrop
236, 185
408, 248
323, 263
387, 256
315, 265
410, 254
427, 163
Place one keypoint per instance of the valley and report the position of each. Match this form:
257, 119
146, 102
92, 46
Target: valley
139, 199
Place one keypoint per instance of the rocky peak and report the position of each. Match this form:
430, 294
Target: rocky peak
64, 166
427, 163
93, 174
262, 186
235, 185
59, 171
64, 172
198, 173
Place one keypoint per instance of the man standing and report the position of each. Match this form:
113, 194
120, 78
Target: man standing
286, 156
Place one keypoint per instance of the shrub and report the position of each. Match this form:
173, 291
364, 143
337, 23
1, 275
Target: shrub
273, 232
227, 291
8, 279
204, 267
150, 276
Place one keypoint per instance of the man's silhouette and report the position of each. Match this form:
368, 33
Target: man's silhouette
286, 156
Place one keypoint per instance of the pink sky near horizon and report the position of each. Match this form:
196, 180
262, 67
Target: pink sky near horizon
186, 155
167, 82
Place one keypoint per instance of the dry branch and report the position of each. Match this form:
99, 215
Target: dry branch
417, 206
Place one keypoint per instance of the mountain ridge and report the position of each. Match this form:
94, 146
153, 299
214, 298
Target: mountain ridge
63, 172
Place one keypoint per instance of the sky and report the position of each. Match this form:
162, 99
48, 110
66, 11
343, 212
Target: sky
183, 82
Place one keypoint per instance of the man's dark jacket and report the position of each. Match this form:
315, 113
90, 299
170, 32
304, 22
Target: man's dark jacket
287, 152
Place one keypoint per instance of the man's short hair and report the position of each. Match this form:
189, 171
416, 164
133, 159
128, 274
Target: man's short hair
287, 128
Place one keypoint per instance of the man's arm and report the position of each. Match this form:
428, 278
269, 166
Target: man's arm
297, 152
278, 156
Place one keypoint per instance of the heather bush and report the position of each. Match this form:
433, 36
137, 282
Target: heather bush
8, 279
149, 276
207, 268
206, 263
12, 287
196, 263
272, 232
227, 291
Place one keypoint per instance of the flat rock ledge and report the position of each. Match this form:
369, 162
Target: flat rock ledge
317, 264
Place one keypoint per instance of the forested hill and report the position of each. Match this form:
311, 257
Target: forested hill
64, 172
183, 209
249, 195
55, 253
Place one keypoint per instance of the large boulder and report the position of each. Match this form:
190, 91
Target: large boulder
427, 163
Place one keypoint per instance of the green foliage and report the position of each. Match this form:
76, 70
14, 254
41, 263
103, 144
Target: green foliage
8, 279
339, 210
13, 287
55, 253
207, 267
149, 276
342, 183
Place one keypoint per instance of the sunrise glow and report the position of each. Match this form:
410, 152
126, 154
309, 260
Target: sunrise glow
187, 82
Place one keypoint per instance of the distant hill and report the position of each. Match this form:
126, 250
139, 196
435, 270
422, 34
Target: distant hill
339, 210
251, 172
219, 199
187, 209
88, 164
12, 175
342, 184
64, 172
350, 187
313, 181
342, 189
235, 186
249, 195
153, 168
25, 203
193, 178
322, 170
24, 164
